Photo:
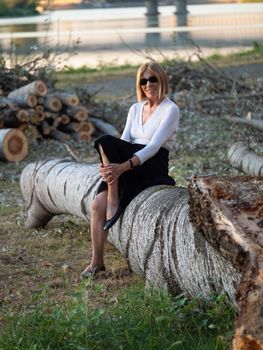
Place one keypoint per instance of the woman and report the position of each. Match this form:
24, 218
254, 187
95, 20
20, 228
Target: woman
136, 161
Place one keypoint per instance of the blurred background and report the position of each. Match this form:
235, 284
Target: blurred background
113, 31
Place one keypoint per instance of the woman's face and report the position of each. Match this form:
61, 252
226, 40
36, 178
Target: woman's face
149, 84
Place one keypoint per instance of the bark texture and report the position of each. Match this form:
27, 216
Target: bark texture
228, 213
154, 233
242, 157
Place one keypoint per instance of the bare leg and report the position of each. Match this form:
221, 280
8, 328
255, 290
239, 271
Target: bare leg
98, 235
113, 196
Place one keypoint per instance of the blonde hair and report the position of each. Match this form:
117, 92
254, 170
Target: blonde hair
160, 74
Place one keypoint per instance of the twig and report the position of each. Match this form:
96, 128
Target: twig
72, 154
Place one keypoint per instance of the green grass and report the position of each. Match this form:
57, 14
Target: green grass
107, 68
136, 320
252, 55
113, 69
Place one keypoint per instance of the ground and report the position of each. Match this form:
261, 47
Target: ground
51, 259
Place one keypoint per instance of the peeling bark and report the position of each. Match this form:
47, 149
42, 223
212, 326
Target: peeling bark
228, 213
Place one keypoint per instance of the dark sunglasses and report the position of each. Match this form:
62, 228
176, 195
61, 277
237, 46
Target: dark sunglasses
151, 79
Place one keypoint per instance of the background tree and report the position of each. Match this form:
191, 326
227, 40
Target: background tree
13, 8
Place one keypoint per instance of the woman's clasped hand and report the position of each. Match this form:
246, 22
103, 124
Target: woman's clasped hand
110, 172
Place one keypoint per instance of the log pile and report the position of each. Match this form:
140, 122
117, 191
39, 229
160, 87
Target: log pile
34, 109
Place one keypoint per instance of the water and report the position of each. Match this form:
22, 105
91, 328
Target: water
103, 32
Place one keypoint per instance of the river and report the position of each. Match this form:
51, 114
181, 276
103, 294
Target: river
114, 32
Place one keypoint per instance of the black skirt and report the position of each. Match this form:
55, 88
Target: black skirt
152, 172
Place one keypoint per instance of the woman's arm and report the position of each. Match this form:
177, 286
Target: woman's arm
167, 127
126, 135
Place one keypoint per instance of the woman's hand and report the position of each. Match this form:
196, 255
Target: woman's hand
110, 173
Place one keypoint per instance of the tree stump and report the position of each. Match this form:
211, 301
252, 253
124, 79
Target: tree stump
228, 213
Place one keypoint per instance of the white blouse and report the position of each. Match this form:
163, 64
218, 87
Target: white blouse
158, 131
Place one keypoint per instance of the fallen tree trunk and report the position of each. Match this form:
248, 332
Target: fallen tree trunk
228, 213
154, 233
242, 157
157, 238
104, 127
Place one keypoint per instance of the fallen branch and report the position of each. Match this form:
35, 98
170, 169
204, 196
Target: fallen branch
256, 124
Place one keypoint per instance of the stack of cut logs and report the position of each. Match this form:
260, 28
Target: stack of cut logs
58, 115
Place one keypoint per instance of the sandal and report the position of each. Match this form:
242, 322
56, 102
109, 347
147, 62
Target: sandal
109, 223
92, 271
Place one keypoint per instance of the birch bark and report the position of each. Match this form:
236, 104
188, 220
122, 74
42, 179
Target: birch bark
154, 233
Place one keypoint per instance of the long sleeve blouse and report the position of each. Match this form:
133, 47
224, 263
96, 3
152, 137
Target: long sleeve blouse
158, 131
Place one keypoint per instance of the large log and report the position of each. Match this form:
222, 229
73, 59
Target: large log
68, 99
79, 113
38, 88
154, 233
24, 100
22, 115
228, 213
242, 157
87, 127
13, 145
104, 127
71, 127
6, 103
59, 135
52, 103
81, 136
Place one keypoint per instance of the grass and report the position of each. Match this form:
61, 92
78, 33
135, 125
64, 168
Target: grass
134, 320
253, 55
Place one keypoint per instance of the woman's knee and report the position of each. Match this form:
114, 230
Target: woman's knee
99, 203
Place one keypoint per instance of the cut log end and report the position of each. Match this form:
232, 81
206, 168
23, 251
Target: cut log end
13, 145
41, 88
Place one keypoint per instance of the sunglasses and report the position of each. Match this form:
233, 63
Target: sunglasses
151, 79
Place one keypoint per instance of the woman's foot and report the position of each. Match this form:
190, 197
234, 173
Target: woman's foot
91, 271
112, 208
110, 222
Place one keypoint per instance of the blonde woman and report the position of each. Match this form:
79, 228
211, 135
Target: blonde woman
139, 159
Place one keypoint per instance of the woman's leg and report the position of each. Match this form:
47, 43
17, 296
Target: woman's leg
98, 235
113, 195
